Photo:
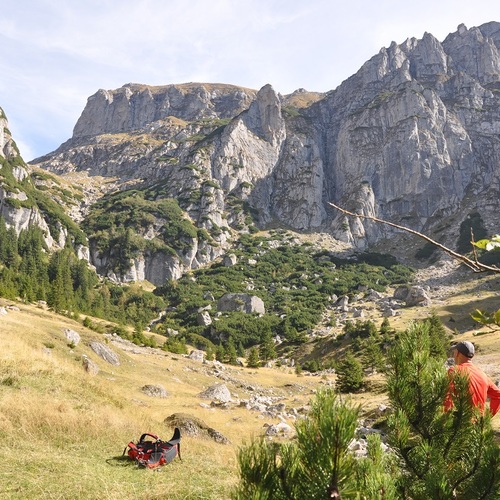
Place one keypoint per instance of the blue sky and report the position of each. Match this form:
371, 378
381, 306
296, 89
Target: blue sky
56, 53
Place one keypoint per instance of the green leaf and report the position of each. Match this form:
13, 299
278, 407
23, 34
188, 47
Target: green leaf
482, 244
497, 317
482, 317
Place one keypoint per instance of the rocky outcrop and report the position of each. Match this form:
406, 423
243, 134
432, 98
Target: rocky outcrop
135, 107
410, 125
412, 137
19, 207
192, 426
14, 206
241, 302
105, 353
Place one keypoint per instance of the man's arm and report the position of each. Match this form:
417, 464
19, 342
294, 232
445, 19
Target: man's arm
494, 395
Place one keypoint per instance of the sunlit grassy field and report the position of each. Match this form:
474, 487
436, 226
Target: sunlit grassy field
63, 430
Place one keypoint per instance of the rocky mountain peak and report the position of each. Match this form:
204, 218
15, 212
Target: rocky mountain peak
264, 115
135, 106
8, 148
412, 137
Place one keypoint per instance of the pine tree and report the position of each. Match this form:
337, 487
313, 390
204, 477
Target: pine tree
385, 327
61, 288
209, 353
350, 374
33, 274
253, 360
232, 357
240, 350
267, 350
442, 455
3, 241
373, 356
318, 464
220, 353
437, 334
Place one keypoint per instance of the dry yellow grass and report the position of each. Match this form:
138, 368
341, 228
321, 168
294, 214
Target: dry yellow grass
64, 430
68, 429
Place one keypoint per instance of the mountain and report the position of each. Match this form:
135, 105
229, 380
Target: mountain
412, 137
29, 196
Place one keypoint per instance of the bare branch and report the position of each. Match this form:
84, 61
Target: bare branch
476, 266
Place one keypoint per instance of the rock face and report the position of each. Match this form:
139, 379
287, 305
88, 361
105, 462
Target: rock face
134, 106
17, 206
412, 137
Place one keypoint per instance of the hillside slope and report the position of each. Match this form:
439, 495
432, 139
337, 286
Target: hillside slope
70, 427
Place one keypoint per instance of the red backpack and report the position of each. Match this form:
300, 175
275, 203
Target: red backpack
154, 453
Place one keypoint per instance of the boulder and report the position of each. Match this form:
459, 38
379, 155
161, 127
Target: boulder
281, 429
242, 302
417, 296
197, 355
230, 260
90, 367
155, 391
194, 427
72, 337
203, 318
105, 353
401, 292
219, 392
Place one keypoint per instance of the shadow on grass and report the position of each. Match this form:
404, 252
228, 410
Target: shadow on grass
122, 461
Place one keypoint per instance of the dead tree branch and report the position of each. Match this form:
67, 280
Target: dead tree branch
476, 266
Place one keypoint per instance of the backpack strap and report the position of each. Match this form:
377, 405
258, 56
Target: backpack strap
175, 440
146, 434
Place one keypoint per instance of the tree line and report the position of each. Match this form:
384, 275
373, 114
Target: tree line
66, 283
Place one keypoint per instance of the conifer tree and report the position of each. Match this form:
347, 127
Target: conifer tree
253, 360
267, 350
373, 355
3, 240
220, 353
318, 464
437, 334
240, 350
350, 374
209, 353
33, 275
442, 455
385, 327
61, 288
232, 357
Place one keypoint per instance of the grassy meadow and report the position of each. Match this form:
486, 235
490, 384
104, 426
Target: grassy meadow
64, 430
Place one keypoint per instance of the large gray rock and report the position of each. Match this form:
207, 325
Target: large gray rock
203, 318
72, 337
105, 353
197, 355
218, 392
417, 296
241, 302
190, 425
412, 295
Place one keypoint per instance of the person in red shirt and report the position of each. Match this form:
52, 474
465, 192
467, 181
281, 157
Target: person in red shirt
481, 387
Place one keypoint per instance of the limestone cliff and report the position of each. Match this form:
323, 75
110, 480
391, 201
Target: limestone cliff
20, 198
412, 137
